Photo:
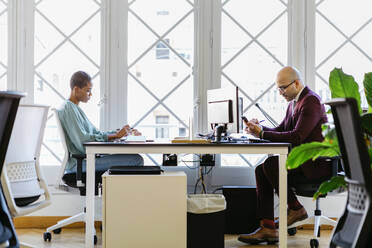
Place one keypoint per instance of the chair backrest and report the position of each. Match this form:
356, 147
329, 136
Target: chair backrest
354, 226
64, 145
9, 102
22, 177
351, 141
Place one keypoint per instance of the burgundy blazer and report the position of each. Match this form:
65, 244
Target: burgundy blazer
303, 126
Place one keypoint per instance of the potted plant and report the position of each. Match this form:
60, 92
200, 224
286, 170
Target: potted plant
341, 86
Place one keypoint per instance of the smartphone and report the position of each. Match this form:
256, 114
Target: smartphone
244, 118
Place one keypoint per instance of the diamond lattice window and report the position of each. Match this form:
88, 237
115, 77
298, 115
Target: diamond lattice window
254, 48
160, 59
343, 31
67, 39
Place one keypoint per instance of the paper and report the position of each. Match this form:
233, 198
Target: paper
132, 138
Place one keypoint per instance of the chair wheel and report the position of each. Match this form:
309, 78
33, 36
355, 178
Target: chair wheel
95, 239
57, 231
314, 243
47, 236
292, 231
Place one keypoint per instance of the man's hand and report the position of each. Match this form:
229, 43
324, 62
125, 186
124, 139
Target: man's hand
254, 120
253, 128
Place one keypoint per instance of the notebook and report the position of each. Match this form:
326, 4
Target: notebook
135, 170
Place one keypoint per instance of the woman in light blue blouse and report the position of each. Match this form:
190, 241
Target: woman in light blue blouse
78, 129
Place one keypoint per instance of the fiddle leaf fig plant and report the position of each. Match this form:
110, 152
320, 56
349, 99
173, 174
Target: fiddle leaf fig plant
341, 86
368, 89
344, 86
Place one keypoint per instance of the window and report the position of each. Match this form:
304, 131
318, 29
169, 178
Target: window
342, 42
162, 51
3, 43
182, 132
156, 90
67, 39
253, 49
237, 43
162, 131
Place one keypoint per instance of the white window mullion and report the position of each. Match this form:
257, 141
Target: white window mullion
114, 64
296, 36
309, 75
207, 58
114, 68
21, 48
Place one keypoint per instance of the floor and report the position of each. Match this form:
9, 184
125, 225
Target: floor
74, 237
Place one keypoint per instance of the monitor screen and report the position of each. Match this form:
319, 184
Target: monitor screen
225, 107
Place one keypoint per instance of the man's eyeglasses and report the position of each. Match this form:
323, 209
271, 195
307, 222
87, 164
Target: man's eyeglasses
283, 88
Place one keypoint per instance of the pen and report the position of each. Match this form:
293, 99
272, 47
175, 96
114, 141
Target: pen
261, 121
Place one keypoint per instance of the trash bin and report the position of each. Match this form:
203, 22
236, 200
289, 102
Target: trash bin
205, 221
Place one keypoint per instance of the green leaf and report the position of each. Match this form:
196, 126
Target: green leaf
370, 154
313, 150
344, 86
332, 184
367, 82
329, 133
367, 123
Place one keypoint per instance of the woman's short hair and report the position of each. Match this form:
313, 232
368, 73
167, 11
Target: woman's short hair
79, 79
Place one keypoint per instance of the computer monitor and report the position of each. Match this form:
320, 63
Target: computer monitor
224, 109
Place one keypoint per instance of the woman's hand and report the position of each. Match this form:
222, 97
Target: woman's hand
123, 132
135, 132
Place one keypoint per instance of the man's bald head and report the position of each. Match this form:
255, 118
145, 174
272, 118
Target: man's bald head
288, 74
289, 82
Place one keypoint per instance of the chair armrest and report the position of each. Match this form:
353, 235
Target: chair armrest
335, 163
79, 169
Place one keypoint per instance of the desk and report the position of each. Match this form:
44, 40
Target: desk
93, 148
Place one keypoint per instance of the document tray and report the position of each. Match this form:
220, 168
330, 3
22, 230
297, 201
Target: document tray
135, 170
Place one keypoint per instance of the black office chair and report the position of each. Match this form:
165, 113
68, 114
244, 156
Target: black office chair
9, 102
305, 187
354, 228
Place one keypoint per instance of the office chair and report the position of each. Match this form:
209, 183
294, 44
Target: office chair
22, 179
305, 187
71, 179
9, 102
354, 226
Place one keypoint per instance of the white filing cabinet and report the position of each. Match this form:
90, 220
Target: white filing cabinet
142, 211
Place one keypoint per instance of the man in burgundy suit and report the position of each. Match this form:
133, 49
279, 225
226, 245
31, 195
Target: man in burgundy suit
302, 124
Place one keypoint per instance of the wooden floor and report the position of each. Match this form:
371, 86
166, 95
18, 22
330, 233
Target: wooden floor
74, 237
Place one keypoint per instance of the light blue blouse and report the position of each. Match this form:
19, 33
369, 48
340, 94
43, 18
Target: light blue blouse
78, 129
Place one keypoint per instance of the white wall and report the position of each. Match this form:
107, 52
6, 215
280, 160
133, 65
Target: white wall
68, 204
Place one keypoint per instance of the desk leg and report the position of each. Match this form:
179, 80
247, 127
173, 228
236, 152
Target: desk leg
282, 201
89, 217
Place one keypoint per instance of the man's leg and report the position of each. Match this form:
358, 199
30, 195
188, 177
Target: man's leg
296, 211
265, 210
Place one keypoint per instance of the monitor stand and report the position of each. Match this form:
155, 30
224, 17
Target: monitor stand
220, 134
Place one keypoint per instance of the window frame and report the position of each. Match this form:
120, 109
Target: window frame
114, 66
